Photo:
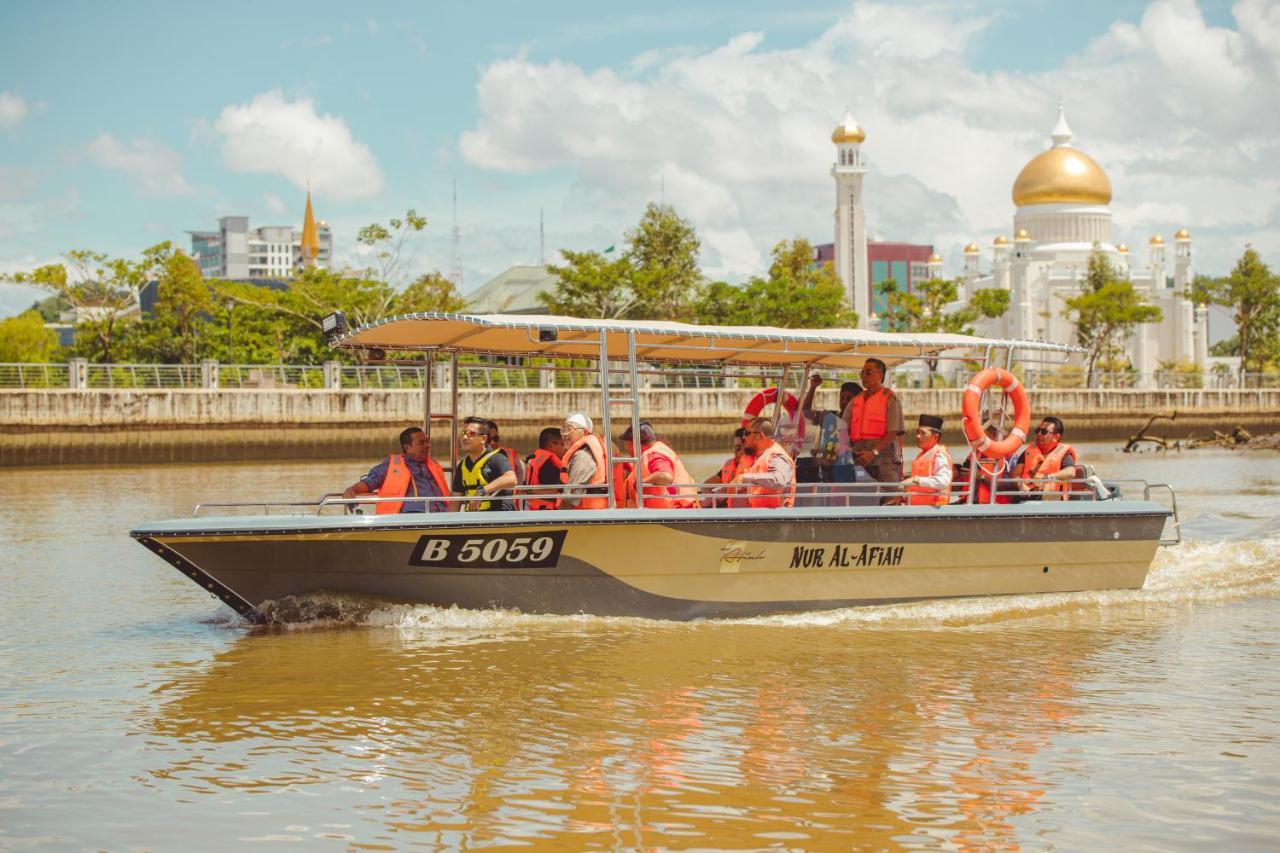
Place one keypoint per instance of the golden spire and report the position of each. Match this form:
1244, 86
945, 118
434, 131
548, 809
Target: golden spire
310, 237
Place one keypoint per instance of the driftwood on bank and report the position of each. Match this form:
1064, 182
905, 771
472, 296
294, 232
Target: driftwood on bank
1238, 439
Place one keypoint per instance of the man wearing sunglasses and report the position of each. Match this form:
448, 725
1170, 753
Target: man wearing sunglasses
482, 472
1049, 465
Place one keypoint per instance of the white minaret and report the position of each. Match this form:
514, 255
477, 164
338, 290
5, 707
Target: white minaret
1182, 275
851, 218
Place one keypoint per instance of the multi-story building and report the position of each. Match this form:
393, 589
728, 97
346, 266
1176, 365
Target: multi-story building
906, 263
267, 253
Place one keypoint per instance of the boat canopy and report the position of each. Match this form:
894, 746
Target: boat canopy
663, 341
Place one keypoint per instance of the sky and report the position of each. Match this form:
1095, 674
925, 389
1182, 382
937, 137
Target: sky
129, 123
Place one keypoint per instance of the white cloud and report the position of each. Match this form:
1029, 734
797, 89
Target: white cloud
270, 135
1180, 113
152, 168
13, 109
275, 204
16, 183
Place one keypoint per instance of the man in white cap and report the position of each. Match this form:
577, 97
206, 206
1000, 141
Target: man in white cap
584, 460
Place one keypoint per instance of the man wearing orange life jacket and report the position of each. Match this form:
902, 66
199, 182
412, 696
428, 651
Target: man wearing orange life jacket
410, 473
875, 425
586, 465
544, 468
1049, 464
930, 480
732, 466
771, 477
662, 478
989, 469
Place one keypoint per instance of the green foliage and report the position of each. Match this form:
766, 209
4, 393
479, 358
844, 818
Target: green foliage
1106, 312
902, 310
429, 292
797, 294
51, 307
656, 278
663, 251
590, 285
1252, 292
24, 338
175, 332
391, 245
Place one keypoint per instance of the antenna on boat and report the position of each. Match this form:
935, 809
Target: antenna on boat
455, 267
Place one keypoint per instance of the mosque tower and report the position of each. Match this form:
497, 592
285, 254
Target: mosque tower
310, 237
851, 219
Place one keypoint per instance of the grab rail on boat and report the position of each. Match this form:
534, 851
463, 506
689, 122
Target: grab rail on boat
1173, 499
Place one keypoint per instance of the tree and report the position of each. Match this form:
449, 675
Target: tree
797, 294
663, 251
428, 292
102, 291
25, 338
1106, 312
590, 285
388, 244
925, 309
1253, 294
180, 321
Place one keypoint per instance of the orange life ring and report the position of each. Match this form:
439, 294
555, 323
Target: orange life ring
973, 431
768, 397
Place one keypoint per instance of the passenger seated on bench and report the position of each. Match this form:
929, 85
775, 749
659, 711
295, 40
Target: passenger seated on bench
410, 472
1049, 465
771, 479
495, 443
929, 483
545, 468
482, 471
732, 466
585, 464
663, 478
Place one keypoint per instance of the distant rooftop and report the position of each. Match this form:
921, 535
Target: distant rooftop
513, 291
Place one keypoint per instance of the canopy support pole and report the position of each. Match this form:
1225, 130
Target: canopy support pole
453, 385
428, 365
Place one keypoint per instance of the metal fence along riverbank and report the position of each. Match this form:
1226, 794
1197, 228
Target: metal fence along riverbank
61, 426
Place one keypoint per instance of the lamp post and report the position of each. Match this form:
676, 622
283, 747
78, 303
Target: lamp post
231, 341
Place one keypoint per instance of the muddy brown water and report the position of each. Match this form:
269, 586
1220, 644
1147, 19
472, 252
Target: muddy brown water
135, 712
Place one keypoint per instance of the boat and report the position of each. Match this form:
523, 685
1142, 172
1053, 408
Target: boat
677, 564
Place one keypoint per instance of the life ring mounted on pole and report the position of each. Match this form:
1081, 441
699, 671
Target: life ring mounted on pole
767, 397
974, 429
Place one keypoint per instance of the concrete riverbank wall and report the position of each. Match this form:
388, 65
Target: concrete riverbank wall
63, 427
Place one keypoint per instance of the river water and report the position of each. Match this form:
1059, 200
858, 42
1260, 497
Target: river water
136, 712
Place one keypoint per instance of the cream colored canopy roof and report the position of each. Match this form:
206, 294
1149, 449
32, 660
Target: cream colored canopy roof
517, 334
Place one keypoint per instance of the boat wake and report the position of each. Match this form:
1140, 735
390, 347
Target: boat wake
1194, 572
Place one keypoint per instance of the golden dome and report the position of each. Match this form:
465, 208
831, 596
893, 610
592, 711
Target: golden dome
1000, 241
847, 131
1061, 175
935, 258
971, 249
1182, 234
1122, 249
1021, 234
1156, 240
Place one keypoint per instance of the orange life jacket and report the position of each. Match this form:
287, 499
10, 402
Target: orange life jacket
729, 469
531, 478
595, 445
869, 417
660, 497
1039, 464
399, 481
768, 497
923, 467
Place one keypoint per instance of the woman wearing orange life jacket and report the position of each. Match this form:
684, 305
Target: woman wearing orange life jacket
663, 478
544, 468
412, 473
930, 480
771, 478
1049, 464
585, 465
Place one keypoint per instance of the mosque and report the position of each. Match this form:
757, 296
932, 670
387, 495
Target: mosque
1061, 214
